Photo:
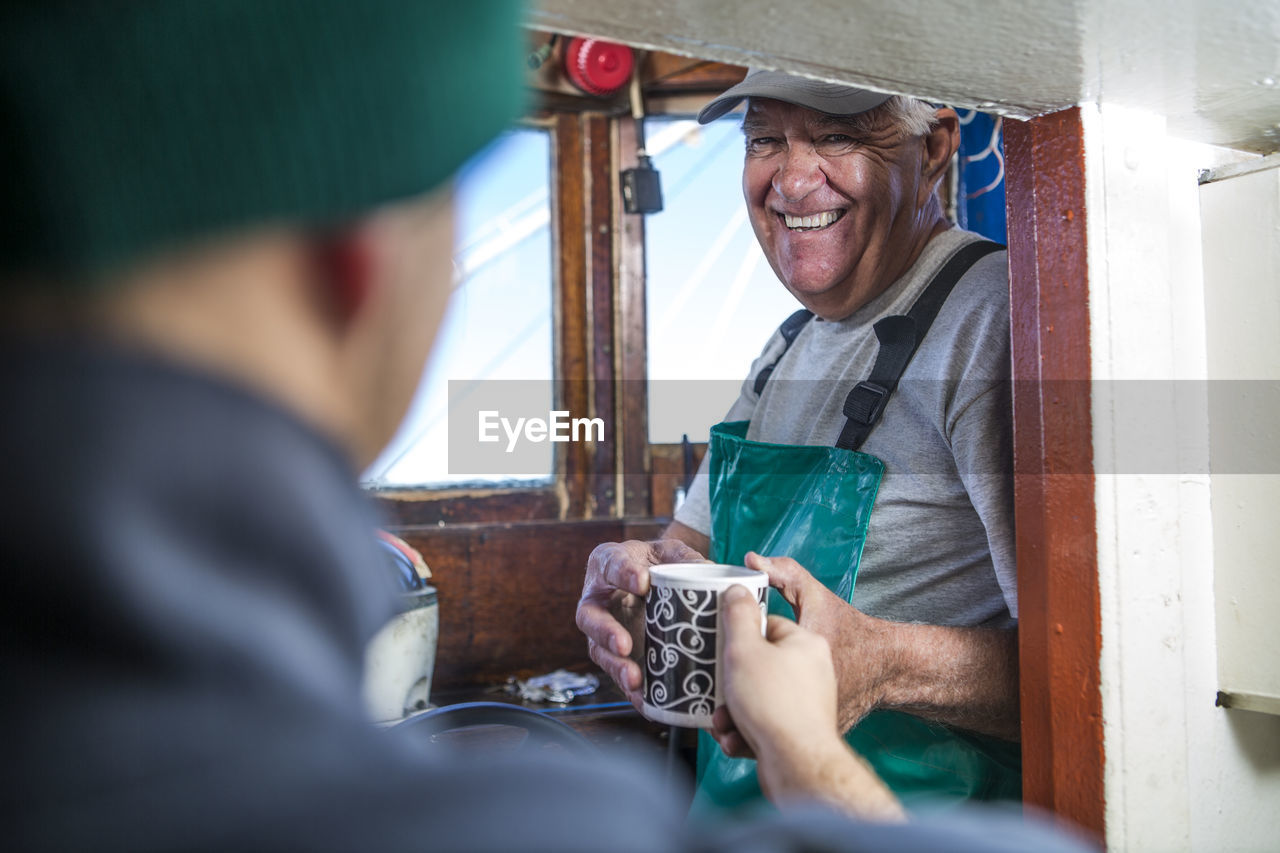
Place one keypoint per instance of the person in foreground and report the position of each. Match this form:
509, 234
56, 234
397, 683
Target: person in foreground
227, 246
898, 418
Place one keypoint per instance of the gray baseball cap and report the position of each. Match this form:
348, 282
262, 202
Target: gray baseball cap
830, 98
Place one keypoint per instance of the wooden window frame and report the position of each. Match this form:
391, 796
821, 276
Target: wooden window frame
599, 327
582, 484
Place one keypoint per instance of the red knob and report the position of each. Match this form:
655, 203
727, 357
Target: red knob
598, 67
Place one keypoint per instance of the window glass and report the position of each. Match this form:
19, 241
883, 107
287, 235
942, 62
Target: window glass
498, 324
713, 300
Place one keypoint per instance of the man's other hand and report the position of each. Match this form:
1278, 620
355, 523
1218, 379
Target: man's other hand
611, 610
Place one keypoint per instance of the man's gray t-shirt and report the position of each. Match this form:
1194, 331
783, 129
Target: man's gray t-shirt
940, 542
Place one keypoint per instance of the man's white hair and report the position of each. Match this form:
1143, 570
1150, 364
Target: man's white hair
912, 116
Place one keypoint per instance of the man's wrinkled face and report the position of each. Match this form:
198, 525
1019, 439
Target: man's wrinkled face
837, 211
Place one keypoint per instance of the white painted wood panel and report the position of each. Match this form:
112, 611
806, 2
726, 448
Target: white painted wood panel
1240, 217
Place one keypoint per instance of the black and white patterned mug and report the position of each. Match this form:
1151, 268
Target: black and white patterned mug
683, 638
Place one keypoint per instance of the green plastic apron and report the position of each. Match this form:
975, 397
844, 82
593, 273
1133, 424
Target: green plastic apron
813, 504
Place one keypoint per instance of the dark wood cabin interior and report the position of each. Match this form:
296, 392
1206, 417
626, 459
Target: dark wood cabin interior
508, 563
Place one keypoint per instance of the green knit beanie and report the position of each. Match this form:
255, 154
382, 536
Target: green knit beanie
126, 126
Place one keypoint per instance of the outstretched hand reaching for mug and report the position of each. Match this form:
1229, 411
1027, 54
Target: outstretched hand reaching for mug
780, 694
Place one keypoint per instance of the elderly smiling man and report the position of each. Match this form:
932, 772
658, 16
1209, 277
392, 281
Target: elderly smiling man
890, 390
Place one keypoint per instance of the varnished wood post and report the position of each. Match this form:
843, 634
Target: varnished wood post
572, 340
600, 181
1058, 602
633, 404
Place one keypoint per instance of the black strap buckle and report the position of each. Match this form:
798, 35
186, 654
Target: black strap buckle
865, 402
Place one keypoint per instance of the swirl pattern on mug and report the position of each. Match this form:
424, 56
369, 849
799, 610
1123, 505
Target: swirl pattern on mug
680, 656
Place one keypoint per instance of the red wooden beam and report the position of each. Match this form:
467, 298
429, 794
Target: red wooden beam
1058, 603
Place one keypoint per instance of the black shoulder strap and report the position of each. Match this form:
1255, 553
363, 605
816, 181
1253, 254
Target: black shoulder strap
790, 329
899, 337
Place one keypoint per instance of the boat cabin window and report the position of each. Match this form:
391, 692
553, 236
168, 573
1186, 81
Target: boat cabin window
498, 325
712, 299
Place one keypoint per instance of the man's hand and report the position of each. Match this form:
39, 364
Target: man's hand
778, 685
860, 648
780, 693
965, 677
611, 610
